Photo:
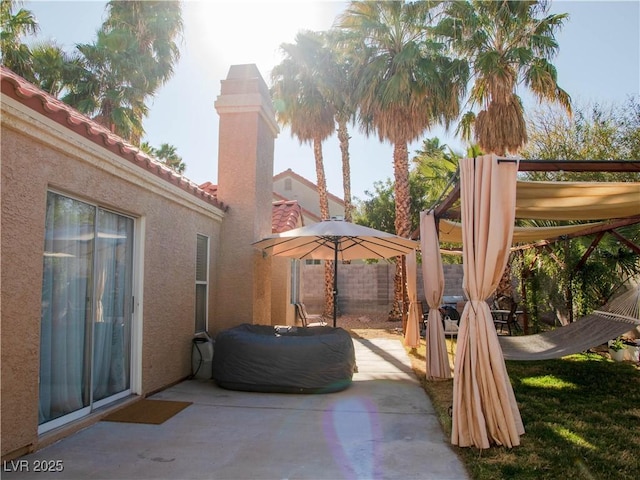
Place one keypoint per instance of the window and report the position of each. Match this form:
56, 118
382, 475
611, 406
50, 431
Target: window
287, 184
85, 332
202, 282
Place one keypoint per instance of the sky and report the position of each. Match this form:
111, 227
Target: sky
598, 61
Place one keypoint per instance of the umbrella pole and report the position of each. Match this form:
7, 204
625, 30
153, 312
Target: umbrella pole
335, 282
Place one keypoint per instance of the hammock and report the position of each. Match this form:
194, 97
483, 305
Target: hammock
617, 317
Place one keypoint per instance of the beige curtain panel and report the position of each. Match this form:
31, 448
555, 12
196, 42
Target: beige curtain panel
437, 366
485, 412
412, 335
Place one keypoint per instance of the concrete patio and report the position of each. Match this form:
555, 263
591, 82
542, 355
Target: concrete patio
382, 427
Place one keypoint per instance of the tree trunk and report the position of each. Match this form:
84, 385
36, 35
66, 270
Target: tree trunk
324, 214
321, 179
402, 221
505, 286
343, 137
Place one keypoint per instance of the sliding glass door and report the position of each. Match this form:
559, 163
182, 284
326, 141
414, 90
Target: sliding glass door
85, 342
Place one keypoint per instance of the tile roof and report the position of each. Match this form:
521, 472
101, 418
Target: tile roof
40, 101
287, 215
305, 213
210, 188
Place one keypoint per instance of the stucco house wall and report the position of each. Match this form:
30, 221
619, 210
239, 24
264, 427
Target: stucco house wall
245, 175
42, 153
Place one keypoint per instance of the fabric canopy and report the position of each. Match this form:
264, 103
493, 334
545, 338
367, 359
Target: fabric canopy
570, 201
452, 232
335, 240
322, 240
577, 200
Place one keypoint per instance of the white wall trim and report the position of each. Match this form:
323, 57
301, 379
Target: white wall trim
137, 319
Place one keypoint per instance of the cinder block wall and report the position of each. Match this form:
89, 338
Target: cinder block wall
366, 288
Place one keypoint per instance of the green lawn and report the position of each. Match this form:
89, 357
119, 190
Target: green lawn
581, 415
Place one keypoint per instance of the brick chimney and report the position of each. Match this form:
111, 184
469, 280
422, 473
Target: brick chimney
245, 183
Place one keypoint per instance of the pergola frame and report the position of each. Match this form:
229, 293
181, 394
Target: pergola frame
444, 210
485, 410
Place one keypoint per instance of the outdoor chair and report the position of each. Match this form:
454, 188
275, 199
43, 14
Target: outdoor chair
450, 319
424, 316
451, 326
507, 318
309, 320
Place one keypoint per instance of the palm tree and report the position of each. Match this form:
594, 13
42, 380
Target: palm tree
14, 54
53, 68
404, 86
508, 44
106, 88
155, 26
166, 154
300, 104
436, 165
339, 92
133, 56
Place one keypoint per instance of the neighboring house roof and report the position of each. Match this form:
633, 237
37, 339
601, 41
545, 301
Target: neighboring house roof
40, 101
288, 185
287, 215
290, 173
210, 188
306, 213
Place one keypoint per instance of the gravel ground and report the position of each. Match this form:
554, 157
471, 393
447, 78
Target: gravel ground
370, 325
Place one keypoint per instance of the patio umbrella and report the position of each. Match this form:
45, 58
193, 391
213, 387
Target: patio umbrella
336, 240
